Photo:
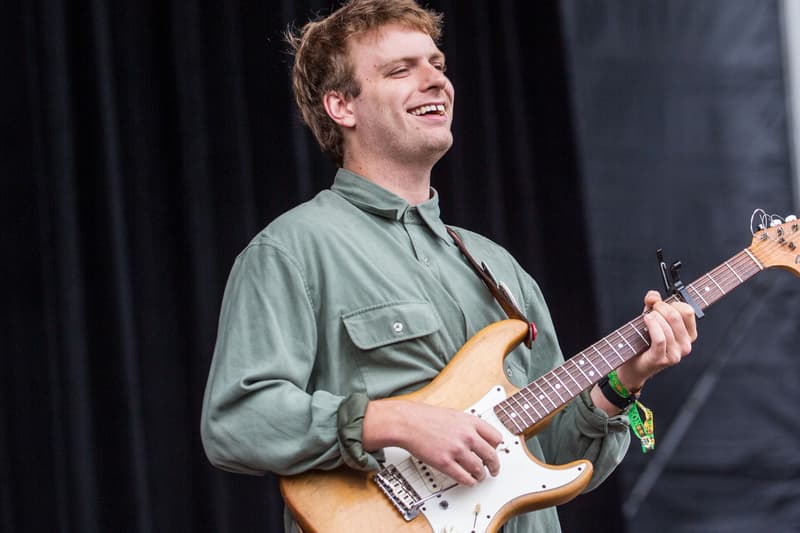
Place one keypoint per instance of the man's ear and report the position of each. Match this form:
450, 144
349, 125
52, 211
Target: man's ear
339, 109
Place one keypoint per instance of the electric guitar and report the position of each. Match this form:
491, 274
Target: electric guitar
409, 496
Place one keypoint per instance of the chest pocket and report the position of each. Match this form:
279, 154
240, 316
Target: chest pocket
374, 327
398, 346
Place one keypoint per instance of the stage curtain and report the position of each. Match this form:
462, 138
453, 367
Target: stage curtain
143, 144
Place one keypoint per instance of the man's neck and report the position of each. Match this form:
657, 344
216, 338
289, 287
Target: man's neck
410, 183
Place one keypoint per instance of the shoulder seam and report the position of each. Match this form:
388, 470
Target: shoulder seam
266, 241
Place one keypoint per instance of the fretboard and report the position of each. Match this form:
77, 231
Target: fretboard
550, 392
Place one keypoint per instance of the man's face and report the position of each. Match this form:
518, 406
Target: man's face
405, 107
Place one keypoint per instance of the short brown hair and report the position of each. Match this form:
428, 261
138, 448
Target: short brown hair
321, 63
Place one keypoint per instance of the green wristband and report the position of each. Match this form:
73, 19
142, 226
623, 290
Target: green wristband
642, 427
617, 385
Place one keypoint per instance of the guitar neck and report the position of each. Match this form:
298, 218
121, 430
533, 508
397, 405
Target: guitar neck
547, 394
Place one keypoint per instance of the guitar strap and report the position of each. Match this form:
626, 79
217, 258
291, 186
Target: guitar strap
499, 290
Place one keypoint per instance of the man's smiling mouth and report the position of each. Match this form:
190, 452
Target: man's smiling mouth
436, 109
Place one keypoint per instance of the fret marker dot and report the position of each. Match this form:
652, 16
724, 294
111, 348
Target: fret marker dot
526, 406
619, 345
707, 289
591, 372
581, 362
558, 385
513, 415
541, 396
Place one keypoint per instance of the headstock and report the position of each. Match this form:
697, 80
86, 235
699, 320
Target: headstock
776, 241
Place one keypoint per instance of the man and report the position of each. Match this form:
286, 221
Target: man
360, 294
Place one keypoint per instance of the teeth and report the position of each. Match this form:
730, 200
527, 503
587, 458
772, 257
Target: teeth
437, 108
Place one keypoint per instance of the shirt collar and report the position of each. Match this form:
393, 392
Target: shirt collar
374, 199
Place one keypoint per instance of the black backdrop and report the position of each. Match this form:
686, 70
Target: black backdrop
683, 130
143, 144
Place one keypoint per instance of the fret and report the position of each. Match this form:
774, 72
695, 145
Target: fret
614, 349
644, 339
527, 406
508, 419
633, 350
580, 363
698, 294
706, 292
522, 413
714, 281
734, 273
544, 394
514, 418
760, 266
594, 366
530, 402
563, 368
726, 281
726, 277
502, 412
545, 410
610, 366
555, 388
571, 376
542, 406
512, 411
567, 391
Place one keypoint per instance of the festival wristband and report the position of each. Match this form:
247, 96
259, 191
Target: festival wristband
640, 417
615, 392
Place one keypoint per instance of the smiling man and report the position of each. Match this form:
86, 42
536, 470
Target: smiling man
399, 125
360, 295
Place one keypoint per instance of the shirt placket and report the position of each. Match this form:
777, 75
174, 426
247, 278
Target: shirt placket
420, 236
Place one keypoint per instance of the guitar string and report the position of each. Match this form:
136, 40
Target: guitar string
740, 264
727, 275
720, 278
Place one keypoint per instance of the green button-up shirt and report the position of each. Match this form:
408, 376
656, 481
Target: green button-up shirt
353, 293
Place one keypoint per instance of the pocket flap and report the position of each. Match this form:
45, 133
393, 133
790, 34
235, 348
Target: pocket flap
386, 324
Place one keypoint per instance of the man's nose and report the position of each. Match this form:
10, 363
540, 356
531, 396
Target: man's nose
433, 77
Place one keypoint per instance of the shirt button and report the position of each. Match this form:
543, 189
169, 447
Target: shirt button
398, 328
425, 260
509, 371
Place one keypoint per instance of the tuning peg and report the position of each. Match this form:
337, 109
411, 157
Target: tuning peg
791, 218
775, 222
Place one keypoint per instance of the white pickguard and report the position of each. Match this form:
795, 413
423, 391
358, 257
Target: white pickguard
463, 509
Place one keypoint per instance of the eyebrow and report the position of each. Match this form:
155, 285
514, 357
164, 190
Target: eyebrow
410, 59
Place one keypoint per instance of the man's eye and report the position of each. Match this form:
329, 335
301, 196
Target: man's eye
400, 71
440, 66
